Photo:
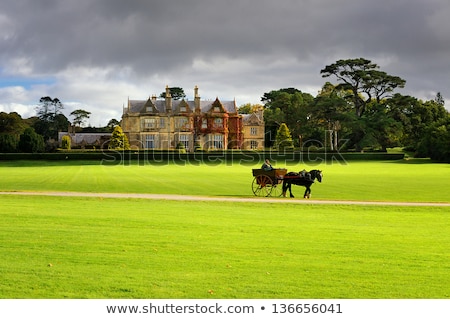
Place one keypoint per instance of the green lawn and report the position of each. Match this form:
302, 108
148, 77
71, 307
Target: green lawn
54, 247
72, 247
417, 181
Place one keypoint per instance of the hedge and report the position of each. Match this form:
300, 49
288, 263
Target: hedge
162, 157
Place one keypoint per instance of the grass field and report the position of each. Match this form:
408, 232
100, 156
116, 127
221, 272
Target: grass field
416, 181
68, 247
55, 247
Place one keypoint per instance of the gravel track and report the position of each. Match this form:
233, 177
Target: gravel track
299, 201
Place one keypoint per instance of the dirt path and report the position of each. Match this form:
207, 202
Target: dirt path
299, 201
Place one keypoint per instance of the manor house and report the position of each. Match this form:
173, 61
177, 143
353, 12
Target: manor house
208, 125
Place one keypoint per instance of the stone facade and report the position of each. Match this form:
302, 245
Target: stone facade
208, 125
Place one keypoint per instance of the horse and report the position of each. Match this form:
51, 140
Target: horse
301, 180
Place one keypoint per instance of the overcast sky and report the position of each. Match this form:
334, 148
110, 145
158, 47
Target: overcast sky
95, 54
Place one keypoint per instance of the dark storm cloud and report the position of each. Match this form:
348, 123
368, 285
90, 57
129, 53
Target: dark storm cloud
228, 44
160, 34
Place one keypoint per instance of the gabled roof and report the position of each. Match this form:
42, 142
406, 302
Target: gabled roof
149, 106
183, 103
253, 118
139, 106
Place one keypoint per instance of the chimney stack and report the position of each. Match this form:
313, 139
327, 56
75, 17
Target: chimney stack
196, 99
168, 100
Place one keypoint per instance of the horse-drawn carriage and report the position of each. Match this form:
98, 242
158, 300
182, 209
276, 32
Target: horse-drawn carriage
277, 181
268, 183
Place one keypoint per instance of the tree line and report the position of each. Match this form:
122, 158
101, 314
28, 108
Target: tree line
40, 133
360, 111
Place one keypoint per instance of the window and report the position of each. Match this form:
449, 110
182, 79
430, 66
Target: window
253, 144
183, 108
162, 122
150, 141
253, 131
184, 139
149, 123
204, 123
218, 122
217, 141
181, 122
217, 109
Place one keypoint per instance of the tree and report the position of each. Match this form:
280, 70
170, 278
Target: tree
176, 93
31, 142
80, 116
11, 123
119, 140
50, 119
11, 126
8, 143
49, 128
290, 106
66, 142
363, 79
439, 99
49, 108
250, 108
283, 140
435, 142
112, 124
329, 113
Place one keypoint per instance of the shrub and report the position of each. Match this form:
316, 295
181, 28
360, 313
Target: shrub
66, 142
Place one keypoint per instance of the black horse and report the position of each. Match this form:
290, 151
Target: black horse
301, 180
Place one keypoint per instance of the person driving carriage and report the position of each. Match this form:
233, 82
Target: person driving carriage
267, 166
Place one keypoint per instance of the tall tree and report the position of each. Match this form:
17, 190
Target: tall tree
330, 114
283, 140
80, 116
50, 119
31, 142
363, 79
112, 124
290, 106
49, 108
435, 141
176, 93
11, 126
119, 141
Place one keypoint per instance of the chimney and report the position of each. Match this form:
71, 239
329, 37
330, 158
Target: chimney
154, 99
196, 99
168, 100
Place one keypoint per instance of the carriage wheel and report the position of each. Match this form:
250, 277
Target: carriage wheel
277, 190
262, 185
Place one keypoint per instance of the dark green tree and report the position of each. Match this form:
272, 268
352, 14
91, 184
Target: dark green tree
11, 126
289, 106
364, 82
435, 142
50, 119
80, 116
112, 124
49, 108
330, 116
8, 143
177, 93
31, 142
